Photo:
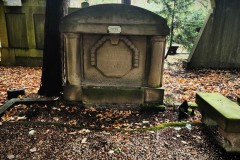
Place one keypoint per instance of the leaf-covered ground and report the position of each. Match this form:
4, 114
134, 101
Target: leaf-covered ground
179, 84
43, 142
62, 131
27, 78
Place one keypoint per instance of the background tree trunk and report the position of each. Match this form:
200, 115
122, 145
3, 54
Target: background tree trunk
52, 78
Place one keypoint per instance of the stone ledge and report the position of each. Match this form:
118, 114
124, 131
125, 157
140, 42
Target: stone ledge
110, 95
154, 95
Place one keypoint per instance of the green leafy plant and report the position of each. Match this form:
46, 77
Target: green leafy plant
185, 19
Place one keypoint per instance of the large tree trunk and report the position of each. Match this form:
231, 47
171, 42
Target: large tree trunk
52, 79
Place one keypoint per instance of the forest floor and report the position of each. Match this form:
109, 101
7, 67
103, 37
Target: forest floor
64, 131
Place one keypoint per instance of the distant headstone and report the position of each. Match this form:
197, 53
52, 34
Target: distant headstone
15, 93
84, 4
172, 50
12, 2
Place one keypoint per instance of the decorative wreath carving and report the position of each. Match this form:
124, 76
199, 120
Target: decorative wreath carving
100, 42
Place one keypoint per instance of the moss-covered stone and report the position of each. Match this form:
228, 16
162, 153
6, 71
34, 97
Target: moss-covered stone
220, 109
193, 105
113, 95
192, 108
152, 107
226, 107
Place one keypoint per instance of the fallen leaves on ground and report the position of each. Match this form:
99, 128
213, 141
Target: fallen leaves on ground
163, 144
183, 84
179, 84
39, 141
107, 117
27, 78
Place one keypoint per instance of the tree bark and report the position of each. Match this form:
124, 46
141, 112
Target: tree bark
52, 78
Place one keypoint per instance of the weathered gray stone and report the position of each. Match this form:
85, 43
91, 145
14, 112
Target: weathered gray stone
106, 60
156, 67
114, 54
231, 141
154, 95
217, 46
21, 32
133, 20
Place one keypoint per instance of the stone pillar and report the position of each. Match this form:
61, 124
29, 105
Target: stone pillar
157, 59
73, 59
72, 89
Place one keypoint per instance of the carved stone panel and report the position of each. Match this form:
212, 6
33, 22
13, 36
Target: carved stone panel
114, 56
114, 60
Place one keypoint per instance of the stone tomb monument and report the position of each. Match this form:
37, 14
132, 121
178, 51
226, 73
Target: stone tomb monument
114, 54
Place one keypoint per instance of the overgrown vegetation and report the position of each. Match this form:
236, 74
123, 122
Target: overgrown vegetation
185, 19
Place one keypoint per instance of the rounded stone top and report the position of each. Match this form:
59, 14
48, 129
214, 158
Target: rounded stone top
114, 18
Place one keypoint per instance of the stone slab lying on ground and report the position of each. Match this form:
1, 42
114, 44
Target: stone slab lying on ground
222, 110
219, 110
16, 101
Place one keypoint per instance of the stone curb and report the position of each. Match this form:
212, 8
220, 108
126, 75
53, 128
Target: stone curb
15, 101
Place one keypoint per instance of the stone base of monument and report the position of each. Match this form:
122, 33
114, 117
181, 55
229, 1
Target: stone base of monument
112, 95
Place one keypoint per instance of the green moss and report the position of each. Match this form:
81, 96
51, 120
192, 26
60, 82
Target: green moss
165, 125
152, 107
155, 128
223, 105
101, 93
193, 105
29, 123
169, 124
